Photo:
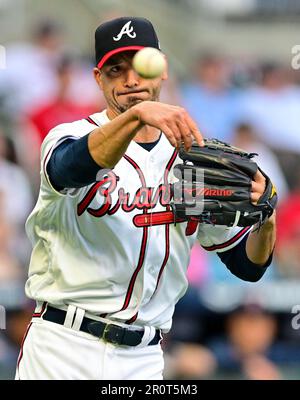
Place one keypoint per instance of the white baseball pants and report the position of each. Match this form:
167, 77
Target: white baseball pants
53, 352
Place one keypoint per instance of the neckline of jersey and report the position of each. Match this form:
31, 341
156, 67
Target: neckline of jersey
103, 115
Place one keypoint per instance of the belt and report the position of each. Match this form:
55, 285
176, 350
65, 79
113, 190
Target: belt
111, 333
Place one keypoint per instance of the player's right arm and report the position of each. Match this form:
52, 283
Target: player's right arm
107, 144
72, 158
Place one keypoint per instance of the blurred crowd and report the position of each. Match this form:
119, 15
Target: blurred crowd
252, 104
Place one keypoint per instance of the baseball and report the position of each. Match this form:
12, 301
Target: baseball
149, 63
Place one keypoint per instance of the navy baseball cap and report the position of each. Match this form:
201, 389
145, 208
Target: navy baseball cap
122, 34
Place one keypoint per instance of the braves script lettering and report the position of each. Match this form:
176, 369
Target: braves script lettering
144, 198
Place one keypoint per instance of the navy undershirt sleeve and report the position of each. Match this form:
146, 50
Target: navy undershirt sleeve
71, 165
238, 263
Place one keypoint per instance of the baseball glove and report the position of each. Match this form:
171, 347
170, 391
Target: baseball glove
214, 186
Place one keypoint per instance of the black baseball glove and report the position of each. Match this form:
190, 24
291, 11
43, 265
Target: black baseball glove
214, 186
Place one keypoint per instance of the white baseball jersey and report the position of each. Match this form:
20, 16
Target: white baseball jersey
109, 248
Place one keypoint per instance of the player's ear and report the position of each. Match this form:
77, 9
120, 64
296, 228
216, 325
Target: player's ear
165, 74
98, 76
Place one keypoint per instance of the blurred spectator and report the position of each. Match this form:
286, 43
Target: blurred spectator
273, 108
189, 361
246, 138
16, 198
60, 109
251, 331
10, 269
209, 98
70, 102
29, 78
15, 186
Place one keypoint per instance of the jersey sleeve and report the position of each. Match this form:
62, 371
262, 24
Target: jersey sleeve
59, 134
219, 238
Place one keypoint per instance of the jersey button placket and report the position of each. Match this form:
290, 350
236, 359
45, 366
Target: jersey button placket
152, 172
151, 270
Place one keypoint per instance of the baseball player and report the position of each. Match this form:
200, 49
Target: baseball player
108, 263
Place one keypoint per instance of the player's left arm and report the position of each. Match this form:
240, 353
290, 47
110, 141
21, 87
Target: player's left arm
260, 242
239, 264
250, 257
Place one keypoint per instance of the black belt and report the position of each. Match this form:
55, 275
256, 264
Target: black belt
108, 332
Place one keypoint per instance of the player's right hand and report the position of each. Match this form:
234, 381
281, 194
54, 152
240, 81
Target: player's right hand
173, 121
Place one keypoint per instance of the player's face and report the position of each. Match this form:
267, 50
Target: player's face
122, 86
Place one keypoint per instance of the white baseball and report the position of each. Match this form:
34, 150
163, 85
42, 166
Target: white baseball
149, 63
